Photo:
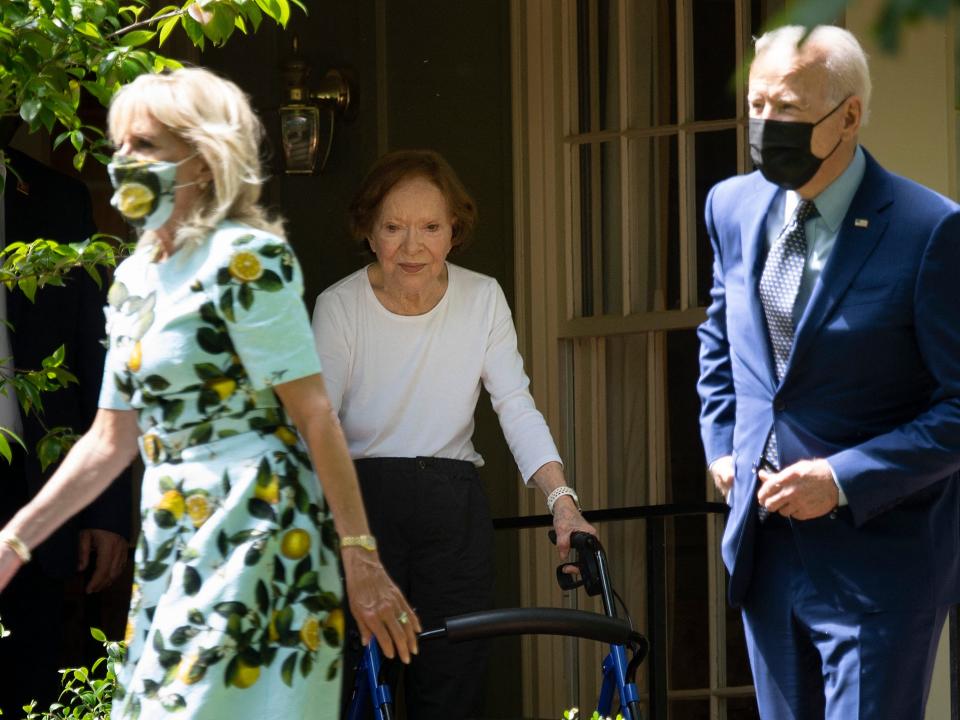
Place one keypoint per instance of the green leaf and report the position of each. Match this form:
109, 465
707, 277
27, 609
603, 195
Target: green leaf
208, 313
191, 580
201, 434
5, 449
269, 281
173, 703
182, 634
28, 286
226, 304
98, 635
30, 109
272, 250
245, 296
156, 382
235, 626
207, 371
221, 25
88, 29
166, 27
172, 410
261, 509
253, 555
264, 473
137, 38
193, 29
306, 664
263, 597
164, 518
212, 341
230, 672
331, 637
230, 607
288, 668
79, 159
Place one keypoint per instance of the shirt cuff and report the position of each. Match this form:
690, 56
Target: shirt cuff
842, 496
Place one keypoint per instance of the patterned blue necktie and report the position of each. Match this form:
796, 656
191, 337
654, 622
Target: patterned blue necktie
779, 284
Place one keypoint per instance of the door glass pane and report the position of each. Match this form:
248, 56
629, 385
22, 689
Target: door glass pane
654, 212
598, 66
742, 709
714, 59
688, 631
651, 63
684, 448
627, 419
716, 158
598, 244
689, 710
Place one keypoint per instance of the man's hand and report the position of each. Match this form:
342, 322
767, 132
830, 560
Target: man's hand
111, 551
802, 491
722, 470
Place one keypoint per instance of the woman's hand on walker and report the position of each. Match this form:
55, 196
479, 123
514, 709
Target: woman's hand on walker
566, 521
378, 606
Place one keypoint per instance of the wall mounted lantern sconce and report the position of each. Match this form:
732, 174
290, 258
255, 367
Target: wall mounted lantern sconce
302, 110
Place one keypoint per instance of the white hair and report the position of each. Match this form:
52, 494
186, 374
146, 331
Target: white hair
214, 117
848, 72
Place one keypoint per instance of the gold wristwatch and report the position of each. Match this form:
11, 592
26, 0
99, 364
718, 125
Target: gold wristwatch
366, 542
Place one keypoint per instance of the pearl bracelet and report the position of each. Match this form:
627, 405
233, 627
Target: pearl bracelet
16, 544
558, 493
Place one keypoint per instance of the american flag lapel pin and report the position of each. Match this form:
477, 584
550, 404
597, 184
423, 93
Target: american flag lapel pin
861, 223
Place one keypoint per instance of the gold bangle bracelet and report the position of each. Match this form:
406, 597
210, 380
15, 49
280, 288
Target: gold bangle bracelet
367, 542
17, 545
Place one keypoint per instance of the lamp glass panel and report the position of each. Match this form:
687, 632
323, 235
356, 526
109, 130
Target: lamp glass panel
300, 130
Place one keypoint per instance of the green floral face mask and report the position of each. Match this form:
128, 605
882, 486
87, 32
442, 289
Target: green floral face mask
143, 189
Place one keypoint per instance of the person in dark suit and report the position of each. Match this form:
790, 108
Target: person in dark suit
830, 389
42, 203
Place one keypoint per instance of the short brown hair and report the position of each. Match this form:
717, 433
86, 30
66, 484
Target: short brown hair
400, 165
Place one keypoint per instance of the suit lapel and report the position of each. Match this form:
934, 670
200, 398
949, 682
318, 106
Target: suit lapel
753, 235
855, 242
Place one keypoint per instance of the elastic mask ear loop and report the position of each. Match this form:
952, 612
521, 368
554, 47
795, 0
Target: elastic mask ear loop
201, 183
824, 118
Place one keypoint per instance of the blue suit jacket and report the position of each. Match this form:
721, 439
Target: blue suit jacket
872, 385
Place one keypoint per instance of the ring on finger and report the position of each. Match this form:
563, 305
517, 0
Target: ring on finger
403, 618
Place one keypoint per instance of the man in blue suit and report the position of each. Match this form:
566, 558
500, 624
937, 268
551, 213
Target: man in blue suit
830, 389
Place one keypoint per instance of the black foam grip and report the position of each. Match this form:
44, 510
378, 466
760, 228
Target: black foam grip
540, 621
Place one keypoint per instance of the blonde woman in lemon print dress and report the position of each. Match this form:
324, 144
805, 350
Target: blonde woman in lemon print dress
211, 372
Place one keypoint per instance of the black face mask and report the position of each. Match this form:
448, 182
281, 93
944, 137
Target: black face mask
781, 150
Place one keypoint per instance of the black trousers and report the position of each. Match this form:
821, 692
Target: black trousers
434, 534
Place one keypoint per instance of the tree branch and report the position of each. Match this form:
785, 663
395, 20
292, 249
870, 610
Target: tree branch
144, 23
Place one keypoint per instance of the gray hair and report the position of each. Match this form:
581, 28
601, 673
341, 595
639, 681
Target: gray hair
848, 71
214, 117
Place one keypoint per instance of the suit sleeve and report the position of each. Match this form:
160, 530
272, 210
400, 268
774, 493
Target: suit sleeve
878, 474
715, 386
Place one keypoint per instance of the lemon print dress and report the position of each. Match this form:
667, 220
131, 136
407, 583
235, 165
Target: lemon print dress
235, 608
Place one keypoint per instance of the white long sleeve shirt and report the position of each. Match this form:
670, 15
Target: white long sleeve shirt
408, 385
